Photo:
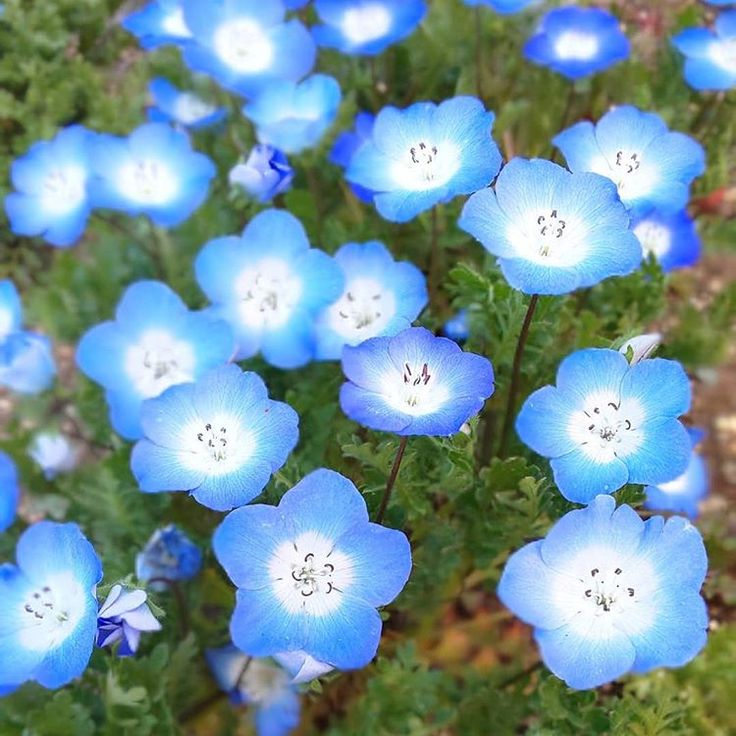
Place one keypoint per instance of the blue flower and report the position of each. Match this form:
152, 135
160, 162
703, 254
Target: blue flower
245, 45
366, 27
414, 383
457, 328
683, 494
672, 238
577, 42
504, 6
154, 343
158, 23
552, 231
153, 172
301, 666
260, 684
269, 285
220, 438
265, 174
9, 491
51, 180
11, 309
123, 617
26, 363
185, 108
54, 453
48, 619
608, 593
169, 555
426, 154
380, 297
607, 423
651, 166
347, 143
293, 116
311, 573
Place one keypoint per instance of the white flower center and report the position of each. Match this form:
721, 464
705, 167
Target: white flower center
576, 46
723, 53
243, 46
216, 445
268, 293
159, 361
174, 24
64, 190
191, 109
362, 311
262, 681
550, 238
366, 23
148, 181
414, 390
606, 589
426, 165
624, 169
654, 237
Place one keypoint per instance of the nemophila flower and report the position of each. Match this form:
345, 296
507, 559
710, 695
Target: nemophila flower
641, 346
158, 23
608, 423
672, 238
504, 6
123, 617
683, 494
311, 572
347, 143
171, 105
651, 166
608, 594
260, 684
11, 309
269, 285
50, 181
53, 453
245, 45
414, 383
265, 174
153, 172
169, 555
220, 438
381, 297
293, 116
710, 55
48, 619
301, 666
154, 342
577, 42
426, 154
366, 27
26, 363
552, 231
9, 491
457, 328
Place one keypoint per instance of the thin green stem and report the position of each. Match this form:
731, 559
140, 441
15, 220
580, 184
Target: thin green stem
392, 479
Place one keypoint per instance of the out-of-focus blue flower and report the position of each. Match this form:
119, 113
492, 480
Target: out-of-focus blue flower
651, 166
414, 383
366, 27
293, 116
26, 363
268, 284
123, 617
683, 494
155, 342
426, 154
710, 56
48, 619
552, 231
347, 143
245, 45
171, 105
169, 555
608, 593
11, 309
380, 297
50, 197
220, 438
265, 174
608, 423
672, 238
301, 666
54, 453
504, 6
577, 42
9, 491
158, 23
260, 684
311, 572
457, 328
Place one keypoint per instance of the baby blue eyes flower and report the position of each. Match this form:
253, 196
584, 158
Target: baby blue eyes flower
265, 174
185, 108
11, 309
153, 172
169, 555
380, 297
220, 438
245, 45
552, 231
414, 383
672, 238
504, 6
366, 27
269, 285
347, 143
608, 423
577, 42
48, 620
123, 617
311, 572
158, 23
50, 180
651, 166
53, 453
426, 154
457, 328
154, 342
293, 116
608, 593
9, 491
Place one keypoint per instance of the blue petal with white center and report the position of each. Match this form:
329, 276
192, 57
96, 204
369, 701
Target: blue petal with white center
9, 491
671, 238
169, 555
347, 143
265, 174
158, 23
171, 105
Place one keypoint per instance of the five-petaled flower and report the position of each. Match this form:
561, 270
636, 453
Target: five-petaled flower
171, 105
123, 617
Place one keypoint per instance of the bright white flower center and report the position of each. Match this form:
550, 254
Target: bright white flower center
414, 390
723, 53
362, 311
191, 109
148, 181
576, 46
63, 190
217, 445
654, 237
426, 165
262, 681
366, 23
309, 575
157, 361
174, 25
268, 293
550, 238
243, 46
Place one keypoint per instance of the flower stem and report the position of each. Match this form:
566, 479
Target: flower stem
434, 256
392, 479
516, 376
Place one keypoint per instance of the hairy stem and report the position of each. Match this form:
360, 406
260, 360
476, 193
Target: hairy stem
392, 479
